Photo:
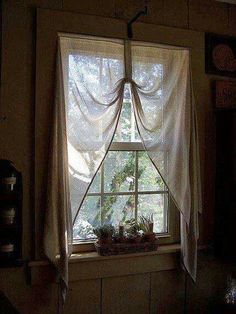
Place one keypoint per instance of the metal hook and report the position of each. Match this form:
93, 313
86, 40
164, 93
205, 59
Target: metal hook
129, 24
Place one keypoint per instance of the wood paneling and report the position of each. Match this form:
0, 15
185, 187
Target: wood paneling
167, 292
122, 266
83, 297
49, 4
207, 294
232, 20
17, 102
126, 295
210, 16
175, 13
28, 299
98, 7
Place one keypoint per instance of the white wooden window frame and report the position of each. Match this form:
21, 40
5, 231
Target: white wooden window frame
170, 212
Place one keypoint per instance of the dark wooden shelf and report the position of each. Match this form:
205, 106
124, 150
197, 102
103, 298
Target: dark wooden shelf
10, 196
12, 226
217, 110
11, 263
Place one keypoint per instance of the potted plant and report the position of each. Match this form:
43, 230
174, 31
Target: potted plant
119, 235
133, 231
146, 225
104, 234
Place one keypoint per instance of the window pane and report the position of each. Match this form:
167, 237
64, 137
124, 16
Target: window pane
119, 171
148, 177
95, 186
126, 129
154, 204
88, 218
117, 208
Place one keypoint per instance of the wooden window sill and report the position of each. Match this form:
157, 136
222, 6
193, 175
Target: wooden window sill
93, 256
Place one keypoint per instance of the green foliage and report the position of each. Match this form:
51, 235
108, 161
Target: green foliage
133, 229
144, 224
104, 231
117, 180
132, 226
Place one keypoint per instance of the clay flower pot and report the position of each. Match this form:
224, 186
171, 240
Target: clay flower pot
149, 237
138, 239
105, 240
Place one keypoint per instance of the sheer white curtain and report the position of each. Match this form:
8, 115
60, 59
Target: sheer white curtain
164, 110
92, 74
58, 229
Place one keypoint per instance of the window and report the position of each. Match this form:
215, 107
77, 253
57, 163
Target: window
127, 184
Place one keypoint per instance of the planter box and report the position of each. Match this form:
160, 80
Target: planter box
125, 248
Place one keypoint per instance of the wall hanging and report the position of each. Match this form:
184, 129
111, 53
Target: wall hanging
225, 95
220, 55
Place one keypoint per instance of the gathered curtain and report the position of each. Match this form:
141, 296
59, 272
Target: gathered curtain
91, 76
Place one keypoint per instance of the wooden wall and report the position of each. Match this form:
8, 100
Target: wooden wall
17, 140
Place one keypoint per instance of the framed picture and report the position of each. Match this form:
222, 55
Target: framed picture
225, 94
220, 55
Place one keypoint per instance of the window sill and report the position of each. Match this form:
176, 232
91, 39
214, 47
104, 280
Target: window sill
86, 266
93, 256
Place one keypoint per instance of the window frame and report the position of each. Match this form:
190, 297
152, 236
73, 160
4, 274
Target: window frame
50, 23
172, 235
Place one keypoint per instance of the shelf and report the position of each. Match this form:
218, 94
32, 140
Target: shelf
11, 263
10, 196
11, 233
216, 110
13, 226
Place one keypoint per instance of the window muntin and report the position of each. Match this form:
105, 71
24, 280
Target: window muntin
123, 194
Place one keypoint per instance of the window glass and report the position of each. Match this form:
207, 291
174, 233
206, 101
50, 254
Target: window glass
119, 171
148, 177
127, 130
154, 204
89, 217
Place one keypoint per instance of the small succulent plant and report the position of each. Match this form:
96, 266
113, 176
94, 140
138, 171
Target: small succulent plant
146, 224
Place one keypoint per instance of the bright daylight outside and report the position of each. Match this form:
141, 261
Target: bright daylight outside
127, 185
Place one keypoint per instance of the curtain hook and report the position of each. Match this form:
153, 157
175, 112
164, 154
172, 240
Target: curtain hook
129, 24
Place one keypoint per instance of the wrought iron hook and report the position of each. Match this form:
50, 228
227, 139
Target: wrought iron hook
129, 24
